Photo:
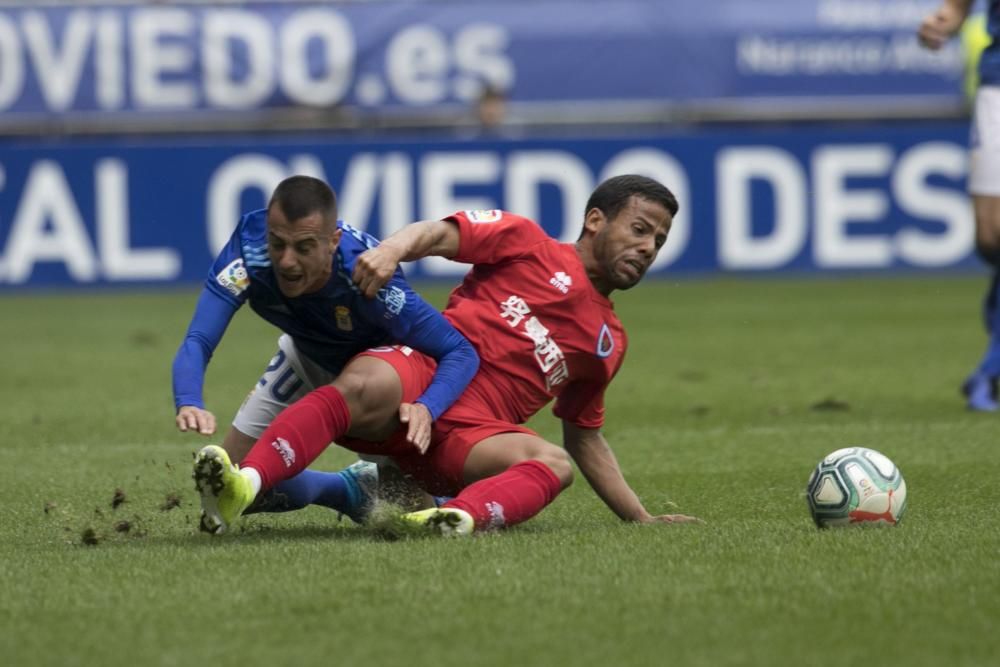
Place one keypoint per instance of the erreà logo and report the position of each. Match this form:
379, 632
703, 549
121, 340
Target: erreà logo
497, 519
561, 281
605, 343
285, 450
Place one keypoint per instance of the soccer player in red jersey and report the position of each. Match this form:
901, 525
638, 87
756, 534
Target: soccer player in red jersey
538, 313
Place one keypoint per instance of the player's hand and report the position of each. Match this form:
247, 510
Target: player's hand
673, 518
374, 268
190, 418
938, 27
418, 420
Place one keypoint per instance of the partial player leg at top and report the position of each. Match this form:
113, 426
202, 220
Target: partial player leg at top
980, 388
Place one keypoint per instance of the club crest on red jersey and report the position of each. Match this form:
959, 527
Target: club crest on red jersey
484, 216
605, 343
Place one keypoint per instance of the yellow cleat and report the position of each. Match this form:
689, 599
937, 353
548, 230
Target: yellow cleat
448, 521
225, 493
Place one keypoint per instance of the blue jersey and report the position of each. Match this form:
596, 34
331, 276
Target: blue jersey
989, 63
329, 326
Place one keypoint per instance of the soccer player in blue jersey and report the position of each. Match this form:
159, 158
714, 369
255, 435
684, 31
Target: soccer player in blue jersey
980, 388
292, 262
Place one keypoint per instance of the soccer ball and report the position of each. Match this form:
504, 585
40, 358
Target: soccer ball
856, 485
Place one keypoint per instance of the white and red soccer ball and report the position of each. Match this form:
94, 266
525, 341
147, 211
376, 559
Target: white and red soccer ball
856, 485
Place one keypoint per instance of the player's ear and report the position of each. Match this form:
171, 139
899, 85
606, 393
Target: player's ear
594, 220
335, 237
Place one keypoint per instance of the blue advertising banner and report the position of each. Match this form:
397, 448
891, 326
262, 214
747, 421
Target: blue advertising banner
811, 198
402, 55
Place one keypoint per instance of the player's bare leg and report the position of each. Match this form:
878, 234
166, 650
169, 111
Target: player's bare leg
987, 212
373, 391
498, 453
511, 477
237, 444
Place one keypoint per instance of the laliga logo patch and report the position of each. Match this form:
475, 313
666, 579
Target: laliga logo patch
605, 343
234, 277
484, 216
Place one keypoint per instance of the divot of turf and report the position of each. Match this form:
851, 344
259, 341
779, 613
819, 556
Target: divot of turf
386, 522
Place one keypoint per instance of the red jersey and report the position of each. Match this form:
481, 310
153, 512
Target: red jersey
541, 329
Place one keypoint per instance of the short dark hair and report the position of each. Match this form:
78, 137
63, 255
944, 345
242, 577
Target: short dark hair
301, 196
612, 195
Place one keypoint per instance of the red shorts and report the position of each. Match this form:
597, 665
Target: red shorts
469, 421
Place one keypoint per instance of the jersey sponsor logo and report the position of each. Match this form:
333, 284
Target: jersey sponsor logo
394, 299
342, 315
285, 450
234, 277
484, 216
561, 281
605, 343
549, 356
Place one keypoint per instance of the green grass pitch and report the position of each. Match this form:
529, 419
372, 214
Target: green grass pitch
732, 391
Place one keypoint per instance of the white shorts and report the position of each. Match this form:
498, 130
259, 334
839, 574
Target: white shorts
288, 377
984, 153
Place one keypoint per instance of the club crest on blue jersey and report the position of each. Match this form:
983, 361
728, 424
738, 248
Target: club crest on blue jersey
605, 343
342, 315
234, 277
484, 216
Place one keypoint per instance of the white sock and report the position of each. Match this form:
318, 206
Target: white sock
254, 477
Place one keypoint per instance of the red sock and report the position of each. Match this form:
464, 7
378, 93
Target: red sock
298, 435
513, 496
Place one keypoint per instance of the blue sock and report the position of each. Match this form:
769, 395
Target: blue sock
990, 364
309, 487
990, 304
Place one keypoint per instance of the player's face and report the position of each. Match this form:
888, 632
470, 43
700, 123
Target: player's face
301, 252
626, 246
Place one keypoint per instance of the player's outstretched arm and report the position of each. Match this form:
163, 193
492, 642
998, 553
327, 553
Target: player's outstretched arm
211, 317
599, 466
943, 23
375, 267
